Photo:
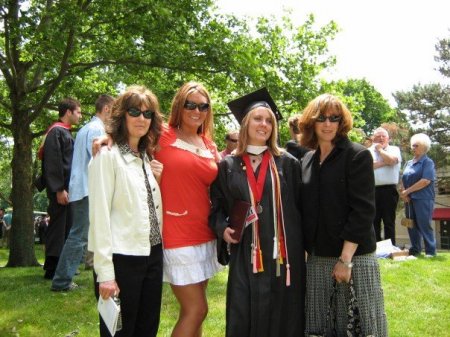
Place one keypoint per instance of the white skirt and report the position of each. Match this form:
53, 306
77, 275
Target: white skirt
190, 265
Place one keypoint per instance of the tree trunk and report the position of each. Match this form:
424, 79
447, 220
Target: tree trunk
22, 230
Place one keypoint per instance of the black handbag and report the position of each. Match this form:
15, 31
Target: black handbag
354, 322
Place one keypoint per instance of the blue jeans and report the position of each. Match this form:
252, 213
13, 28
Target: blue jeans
75, 245
422, 211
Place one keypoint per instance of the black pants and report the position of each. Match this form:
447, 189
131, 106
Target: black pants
57, 231
386, 200
140, 282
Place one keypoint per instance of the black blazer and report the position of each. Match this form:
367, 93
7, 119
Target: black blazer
296, 149
338, 200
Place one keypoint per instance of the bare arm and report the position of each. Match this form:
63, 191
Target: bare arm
99, 142
405, 198
157, 169
388, 159
62, 197
341, 271
378, 164
416, 187
108, 289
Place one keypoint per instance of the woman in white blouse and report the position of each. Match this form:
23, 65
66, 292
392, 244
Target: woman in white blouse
125, 214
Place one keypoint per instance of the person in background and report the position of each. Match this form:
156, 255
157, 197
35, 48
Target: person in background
417, 191
293, 146
56, 167
386, 165
125, 213
2, 214
231, 140
266, 281
189, 157
42, 228
76, 243
338, 207
6, 229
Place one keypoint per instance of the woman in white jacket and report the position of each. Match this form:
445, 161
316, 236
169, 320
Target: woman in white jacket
125, 214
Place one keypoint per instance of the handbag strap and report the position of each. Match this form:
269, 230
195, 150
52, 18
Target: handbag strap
354, 321
408, 215
331, 312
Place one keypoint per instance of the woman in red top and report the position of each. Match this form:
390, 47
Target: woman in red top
190, 160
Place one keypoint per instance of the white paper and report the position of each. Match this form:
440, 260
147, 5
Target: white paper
110, 312
384, 248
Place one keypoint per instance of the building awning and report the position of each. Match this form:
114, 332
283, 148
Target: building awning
441, 213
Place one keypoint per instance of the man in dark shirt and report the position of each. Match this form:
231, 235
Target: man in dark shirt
293, 146
56, 167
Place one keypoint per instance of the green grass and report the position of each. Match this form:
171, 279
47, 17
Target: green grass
417, 299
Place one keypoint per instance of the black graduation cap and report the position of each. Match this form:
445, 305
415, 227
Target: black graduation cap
240, 106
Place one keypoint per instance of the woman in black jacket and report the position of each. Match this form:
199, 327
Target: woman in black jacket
338, 209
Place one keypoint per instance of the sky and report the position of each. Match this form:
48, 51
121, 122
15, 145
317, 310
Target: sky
390, 43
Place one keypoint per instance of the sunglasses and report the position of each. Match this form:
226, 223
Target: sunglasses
232, 140
148, 114
192, 106
332, 118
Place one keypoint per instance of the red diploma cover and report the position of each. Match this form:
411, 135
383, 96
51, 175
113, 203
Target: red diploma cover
238, 218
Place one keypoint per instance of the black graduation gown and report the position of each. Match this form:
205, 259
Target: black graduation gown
57, 161
261, 304
56, 168
296, 149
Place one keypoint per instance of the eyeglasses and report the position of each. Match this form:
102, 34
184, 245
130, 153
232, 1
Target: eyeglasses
148, 114
414, 146
332, 118
192, 106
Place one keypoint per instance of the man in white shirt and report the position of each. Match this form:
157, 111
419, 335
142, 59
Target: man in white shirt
386, 164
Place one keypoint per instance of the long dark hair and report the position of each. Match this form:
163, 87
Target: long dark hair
134, 97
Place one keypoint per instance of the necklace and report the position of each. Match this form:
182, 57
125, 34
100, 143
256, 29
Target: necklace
194, 140
255, 157
135, 153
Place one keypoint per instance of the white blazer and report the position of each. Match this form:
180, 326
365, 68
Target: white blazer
118, 208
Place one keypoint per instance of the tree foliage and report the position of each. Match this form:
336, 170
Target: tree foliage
53, 49
370, 109
428, 106
428, 109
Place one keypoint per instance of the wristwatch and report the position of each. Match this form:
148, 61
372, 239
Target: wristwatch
348, 264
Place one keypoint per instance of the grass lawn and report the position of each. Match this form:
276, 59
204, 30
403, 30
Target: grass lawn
417, 298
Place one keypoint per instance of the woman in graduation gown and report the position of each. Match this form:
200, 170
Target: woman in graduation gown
266, 282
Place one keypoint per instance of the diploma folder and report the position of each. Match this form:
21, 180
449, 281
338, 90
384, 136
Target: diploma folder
110, 312
238, 218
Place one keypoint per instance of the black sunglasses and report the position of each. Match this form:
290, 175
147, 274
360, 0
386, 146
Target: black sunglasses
232, 140
192, 106
332, 118
148, 114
